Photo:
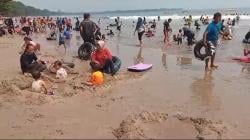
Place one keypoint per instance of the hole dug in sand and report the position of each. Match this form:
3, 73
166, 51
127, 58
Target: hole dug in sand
155, 125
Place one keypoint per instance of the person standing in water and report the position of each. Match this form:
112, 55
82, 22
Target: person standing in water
189, 21
167, 29
210, 38
140, 28
99, 21
88, 29
144, 21
77, 24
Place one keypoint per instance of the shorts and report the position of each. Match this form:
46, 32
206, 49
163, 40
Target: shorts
212, 46
179, 40
61, 43
140, 34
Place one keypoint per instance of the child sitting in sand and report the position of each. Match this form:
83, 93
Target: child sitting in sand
52, 35
61, 73
111, 33
97, 79
67, 66
227, 33
38, 85
149, 33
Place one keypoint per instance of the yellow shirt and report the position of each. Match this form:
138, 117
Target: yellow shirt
97, 78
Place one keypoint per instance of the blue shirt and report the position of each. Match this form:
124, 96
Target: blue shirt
67, 34
213, 30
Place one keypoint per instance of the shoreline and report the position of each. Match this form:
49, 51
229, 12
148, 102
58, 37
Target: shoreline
175, 97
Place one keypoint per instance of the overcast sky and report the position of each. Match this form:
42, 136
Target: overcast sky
104, 5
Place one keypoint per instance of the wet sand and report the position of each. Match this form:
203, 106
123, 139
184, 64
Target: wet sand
175, 99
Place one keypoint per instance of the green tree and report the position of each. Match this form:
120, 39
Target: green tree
16, 8
4, 6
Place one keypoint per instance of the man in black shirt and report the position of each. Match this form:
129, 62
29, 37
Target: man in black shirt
88, 29
190, 35
29, 61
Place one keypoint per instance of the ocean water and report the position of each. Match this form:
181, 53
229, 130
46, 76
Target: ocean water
176, 14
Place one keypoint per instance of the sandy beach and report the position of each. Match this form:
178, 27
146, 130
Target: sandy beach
175, 99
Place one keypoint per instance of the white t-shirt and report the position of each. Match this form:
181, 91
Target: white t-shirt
37, 86
61, 73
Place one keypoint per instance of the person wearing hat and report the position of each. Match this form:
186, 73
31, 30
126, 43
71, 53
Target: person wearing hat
101, 59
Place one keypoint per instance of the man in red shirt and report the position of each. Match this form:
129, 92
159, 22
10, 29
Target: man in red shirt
101, 59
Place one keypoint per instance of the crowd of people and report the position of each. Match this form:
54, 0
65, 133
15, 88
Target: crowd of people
101, 59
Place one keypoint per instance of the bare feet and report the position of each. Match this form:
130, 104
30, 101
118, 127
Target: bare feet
207, 69
214, 66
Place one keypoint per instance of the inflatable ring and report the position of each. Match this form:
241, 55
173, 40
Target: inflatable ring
149, 35
117, 65
197, 51
85, 51
112, 25
246, 41
51, 38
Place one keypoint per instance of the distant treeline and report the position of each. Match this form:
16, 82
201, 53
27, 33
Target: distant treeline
16, 8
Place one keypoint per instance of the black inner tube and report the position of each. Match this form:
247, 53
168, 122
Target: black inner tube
51, 38
113, 24
117, 65
246, 41
85, 51
197, 51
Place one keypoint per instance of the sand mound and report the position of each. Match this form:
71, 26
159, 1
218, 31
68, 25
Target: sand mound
131, 127
18, 89
207, 129
12, 86
159, 125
